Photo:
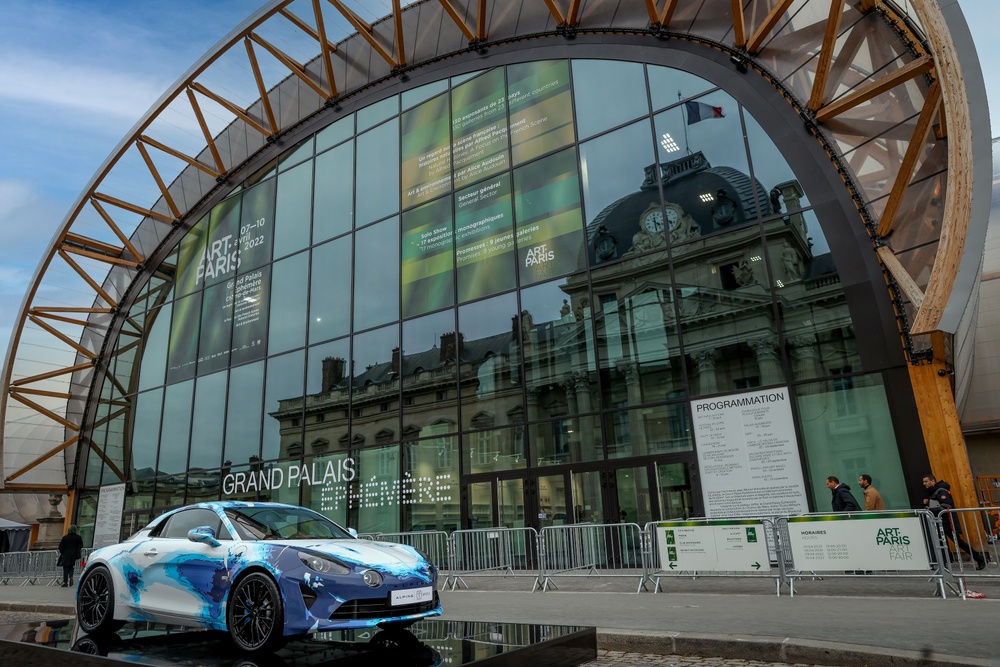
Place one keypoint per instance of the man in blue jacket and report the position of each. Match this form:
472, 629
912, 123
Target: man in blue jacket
843, 500
938, 500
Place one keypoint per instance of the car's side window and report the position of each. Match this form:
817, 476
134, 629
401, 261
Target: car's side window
179, 524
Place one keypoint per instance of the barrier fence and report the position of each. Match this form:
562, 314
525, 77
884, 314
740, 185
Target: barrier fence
950, 549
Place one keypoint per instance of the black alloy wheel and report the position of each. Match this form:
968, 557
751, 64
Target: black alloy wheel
95, 602
254, 615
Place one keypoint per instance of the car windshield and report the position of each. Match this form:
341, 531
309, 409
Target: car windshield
284, 523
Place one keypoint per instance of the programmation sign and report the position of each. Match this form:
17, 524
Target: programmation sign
858, 542
748, 455
713, 546
108, 523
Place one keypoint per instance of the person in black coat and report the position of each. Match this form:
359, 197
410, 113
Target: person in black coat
70, 550
938, 500
843, 499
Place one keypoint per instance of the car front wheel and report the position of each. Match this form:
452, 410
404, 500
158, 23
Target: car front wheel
95, 602
254, 615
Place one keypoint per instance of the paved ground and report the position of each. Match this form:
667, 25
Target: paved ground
858, 620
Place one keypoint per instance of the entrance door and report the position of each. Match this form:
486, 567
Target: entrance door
673, 482
634, 502
495, 503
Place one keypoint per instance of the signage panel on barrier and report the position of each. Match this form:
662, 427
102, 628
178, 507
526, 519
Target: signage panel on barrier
736, 545
858, 542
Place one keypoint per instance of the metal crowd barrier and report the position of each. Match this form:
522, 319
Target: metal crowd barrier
508, 552
433, 544
586, 550
978, 528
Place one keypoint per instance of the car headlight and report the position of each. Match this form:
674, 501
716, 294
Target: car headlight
322, 564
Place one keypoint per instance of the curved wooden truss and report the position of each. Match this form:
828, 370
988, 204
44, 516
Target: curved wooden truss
106, 239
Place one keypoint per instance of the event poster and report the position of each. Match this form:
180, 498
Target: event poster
216, 327
539, 101
183, 350
108, 522
425, 171
550, 238
427, 258
189, 254
484, 238
479, 127
251, 298
748, 454
257, 226
869, 541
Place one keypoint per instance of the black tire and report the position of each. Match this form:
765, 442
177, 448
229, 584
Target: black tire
95, 602
255, 616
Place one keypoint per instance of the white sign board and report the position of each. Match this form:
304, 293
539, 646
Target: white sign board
858, 542
748, 455
108, 525
713, 546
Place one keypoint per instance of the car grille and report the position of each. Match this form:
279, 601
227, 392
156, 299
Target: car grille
380, 608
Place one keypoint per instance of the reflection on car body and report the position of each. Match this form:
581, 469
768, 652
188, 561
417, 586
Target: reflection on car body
261, 571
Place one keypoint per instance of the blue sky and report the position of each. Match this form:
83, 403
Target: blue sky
76, 76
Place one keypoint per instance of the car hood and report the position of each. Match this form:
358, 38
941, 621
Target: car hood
388, 556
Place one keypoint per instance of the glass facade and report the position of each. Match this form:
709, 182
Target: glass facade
496, 307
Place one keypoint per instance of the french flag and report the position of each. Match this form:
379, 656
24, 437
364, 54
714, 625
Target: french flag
699, 111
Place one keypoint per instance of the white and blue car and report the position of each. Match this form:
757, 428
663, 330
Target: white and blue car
264, 572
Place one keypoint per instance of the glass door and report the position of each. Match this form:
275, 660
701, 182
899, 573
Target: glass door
479, 505
587, 498
634, 505
673, 482
495, 503
552, 499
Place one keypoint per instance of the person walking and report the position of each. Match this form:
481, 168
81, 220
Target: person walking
70, 550
873, 499
938, 500
843, 500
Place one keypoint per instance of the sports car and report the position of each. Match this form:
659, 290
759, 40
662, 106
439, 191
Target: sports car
264, 572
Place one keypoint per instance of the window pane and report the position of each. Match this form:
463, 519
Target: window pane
428, 259
669, 86
491, 380
567, 440
595, 82
184, 338
376, 508
216, 327
772, 170
283, 406
559, 361
219, 259
375, 387
431, 355
494, 450
333, 206
190, 254
257, 226
847, 431
330, 293
209, 417
550, 238
146, 433
154, 353
484, 236
376, 274
288, 310
410, 98
663, 429
292, 207
426, 152
335, 133
377, 179
250, 307
541, 112
331, 500
246, 385
376, 113
430, 493
479, 128
176, 428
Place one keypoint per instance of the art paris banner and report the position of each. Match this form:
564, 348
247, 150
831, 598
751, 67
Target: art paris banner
748, 454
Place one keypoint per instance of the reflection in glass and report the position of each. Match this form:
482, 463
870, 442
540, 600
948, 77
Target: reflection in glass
209, 419
183, 353
145, 433
771, 169
334, 133
257, 226
480, 509
494, 450
491, 376
409, 98
330, 499
287, 328
204, 485
292, 219
330, 290
216, 327
333, 204
588, 504
429, 362
847, 427
428, 258
377, 173
669, 86
246, 385
176, 428
375, 113
632, 485
372, 500
375, 387
426, 152
250, 307
327, 399
283, 406
154, 353
552, 501
484, 238
376, 274
479, 128
662, 429
674, 485
567, 440
541, 117
429, 488
595, 82
614, 165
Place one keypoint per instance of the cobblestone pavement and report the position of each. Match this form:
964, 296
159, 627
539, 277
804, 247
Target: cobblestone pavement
618, 659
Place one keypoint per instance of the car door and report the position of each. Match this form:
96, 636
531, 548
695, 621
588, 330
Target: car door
181, 580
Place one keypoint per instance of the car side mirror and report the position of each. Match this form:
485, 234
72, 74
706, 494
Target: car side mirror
203, 535
353, 532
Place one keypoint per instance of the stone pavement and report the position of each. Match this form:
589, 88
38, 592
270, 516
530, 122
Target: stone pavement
713, 621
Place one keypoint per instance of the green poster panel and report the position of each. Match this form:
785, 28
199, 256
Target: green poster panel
484, 238
220, 255
549, 230
539, 100
425, 170
251, 301
427, 258
183, 348
216, 327
257, 226
479, 128
189, 255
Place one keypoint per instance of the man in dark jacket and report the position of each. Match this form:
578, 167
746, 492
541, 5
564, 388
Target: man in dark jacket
843, 500
70, 550
938, 500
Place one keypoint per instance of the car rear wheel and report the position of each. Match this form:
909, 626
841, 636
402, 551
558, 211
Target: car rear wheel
255, 616
95, 602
